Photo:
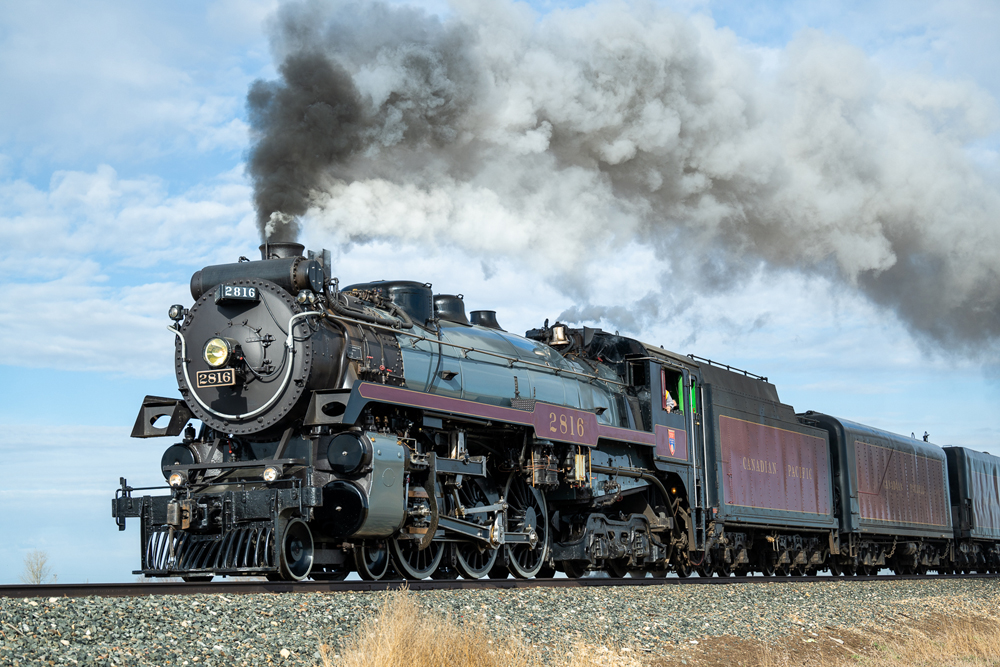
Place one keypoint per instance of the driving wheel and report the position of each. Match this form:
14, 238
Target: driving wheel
473, 559
413, 563
526, 511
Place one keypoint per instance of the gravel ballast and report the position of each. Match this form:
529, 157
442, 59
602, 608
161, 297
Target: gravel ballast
270, 629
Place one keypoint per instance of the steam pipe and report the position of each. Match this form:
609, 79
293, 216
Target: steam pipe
347, 311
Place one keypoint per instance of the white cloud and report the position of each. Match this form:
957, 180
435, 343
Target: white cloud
88, 267
130, 83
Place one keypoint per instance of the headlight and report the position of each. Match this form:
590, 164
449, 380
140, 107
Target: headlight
217, 352
270, 474
177, 479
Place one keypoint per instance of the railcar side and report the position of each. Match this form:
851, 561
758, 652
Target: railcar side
892, 495
770, 486
974, 481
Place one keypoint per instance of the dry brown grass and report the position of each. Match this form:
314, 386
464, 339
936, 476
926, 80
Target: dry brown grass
943, 640
938, 641
404, 634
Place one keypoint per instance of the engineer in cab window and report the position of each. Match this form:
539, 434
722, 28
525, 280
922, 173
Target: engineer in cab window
669, 404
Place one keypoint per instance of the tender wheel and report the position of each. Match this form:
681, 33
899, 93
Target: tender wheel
296, 556
767, 559
835, 568
526, 509
682, 568
474, 560
411, 562
724, 569
371, 561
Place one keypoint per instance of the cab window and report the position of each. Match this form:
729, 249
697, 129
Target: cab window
672, 390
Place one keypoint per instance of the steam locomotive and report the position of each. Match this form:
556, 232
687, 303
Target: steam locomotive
378, 429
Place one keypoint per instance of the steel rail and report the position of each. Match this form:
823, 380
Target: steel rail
137, 589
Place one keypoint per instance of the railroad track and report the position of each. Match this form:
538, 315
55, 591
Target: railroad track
138, 589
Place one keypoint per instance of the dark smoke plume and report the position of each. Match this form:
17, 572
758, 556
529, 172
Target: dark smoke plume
564, 139
311, 124
309, 121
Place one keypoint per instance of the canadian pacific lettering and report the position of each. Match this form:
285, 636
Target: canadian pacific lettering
760, 465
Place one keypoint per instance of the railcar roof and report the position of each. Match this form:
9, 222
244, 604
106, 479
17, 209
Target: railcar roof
896, 441
976, 455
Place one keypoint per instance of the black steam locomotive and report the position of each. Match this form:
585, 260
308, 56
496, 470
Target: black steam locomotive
377, 428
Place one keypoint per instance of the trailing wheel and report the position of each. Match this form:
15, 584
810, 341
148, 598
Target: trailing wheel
296, 555
526, 510
616, 567
372, 561
575, 569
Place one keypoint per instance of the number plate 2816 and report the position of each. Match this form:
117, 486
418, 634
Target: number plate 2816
220, 378
227, 293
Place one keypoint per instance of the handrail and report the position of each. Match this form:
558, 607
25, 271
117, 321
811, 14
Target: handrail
466, 350
728, 367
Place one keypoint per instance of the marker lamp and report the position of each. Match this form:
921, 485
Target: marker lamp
177, 479
270, 474
217, 352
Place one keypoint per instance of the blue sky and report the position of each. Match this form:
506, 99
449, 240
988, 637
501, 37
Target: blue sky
123, 132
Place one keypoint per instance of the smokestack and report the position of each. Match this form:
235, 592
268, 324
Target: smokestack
281, 250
